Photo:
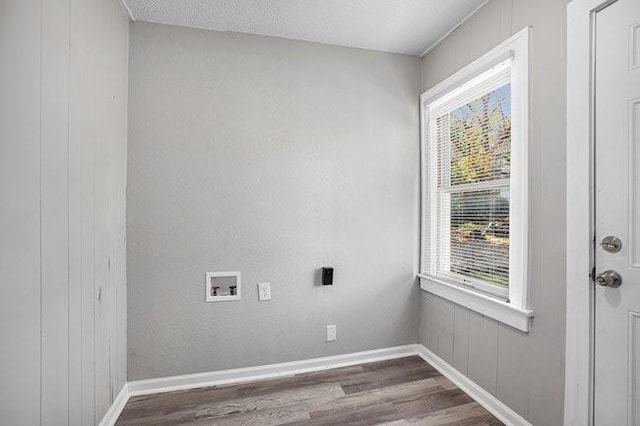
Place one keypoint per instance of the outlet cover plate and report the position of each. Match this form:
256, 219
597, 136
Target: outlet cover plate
331, 333
264, 291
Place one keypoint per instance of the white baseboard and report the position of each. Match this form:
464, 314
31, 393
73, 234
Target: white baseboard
116, 408
482, 397
262, 372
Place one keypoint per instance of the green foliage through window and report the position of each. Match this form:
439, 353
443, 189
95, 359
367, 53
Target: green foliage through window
479, 151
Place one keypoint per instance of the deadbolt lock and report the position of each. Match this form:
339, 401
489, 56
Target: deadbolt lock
611, 244
609, 279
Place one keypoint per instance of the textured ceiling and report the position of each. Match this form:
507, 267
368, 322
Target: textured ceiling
400, 26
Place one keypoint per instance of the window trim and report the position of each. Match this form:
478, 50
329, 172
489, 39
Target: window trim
515, 311
480, 302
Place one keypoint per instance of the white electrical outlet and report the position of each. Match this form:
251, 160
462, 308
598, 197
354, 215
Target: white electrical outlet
331, 333
264, 291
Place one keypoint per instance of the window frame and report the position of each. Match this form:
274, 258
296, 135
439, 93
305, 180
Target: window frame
510, 307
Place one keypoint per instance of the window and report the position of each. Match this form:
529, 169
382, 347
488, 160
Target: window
474, 186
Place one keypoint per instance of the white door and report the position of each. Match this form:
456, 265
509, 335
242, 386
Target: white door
617, 206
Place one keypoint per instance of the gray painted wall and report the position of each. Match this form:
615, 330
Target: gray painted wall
524, 371
63, 97
272, 157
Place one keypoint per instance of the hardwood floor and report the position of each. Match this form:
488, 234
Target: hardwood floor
404, 391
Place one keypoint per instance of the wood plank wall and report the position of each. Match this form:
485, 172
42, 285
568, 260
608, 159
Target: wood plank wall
63, 124
524, 371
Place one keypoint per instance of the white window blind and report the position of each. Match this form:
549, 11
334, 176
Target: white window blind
468, 177
475, 185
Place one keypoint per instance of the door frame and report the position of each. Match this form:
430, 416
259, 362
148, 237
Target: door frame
580, 302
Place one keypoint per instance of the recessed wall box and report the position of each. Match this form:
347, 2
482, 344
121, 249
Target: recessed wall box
222, 286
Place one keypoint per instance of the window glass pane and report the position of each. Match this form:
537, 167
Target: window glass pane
479, 147
479, 234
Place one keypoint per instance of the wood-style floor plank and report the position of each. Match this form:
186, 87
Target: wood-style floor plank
399, 392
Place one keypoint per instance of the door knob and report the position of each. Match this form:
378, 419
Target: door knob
609, 279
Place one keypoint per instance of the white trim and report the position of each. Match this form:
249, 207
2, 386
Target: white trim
488, 305
475, 391
114, 411
516, 47
499, 292
262, 372
579, 349
519, 190
494, 57
128, 9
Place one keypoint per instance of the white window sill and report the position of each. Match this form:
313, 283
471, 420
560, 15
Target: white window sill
484, 304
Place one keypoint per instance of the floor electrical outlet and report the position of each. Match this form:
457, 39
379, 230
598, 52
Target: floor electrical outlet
264, 291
